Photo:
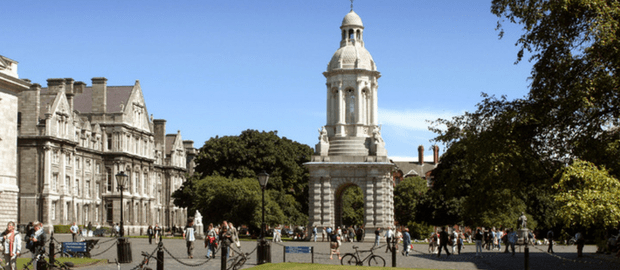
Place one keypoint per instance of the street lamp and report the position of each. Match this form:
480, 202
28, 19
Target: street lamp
123, 247
264, 252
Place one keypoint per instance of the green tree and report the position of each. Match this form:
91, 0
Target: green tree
236, 158
407, 195
574, 93
352, 206
588, 196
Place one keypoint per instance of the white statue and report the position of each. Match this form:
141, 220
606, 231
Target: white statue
198, 218
322, 148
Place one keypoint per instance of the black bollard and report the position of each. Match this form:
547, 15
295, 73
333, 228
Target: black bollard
224, 252
526, 253
394, 243
160, 256
51, 256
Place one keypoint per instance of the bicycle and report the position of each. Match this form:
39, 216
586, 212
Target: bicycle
42, 263
145, 261
354, 258
236, 262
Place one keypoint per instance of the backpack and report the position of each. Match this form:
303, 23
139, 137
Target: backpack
334, 237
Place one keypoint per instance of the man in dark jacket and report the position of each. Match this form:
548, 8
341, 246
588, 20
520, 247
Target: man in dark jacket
443, 241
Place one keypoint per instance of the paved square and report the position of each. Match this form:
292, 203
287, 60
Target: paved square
564, 258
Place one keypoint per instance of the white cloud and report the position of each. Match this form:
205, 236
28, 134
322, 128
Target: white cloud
412, 119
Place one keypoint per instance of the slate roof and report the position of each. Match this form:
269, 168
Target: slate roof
83, 102
414, 168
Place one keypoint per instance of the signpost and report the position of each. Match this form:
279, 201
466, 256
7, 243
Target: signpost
306, 250
74, 247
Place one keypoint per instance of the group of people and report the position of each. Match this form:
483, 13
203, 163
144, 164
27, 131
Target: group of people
154, 232
11, 243
225, 235
350, 234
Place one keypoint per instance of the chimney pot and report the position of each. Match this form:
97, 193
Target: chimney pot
421, 154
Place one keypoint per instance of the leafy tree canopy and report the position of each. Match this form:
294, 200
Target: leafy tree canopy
407, 194
225, 185
352, 206
587, 196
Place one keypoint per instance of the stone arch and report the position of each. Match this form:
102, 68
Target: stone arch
338, 202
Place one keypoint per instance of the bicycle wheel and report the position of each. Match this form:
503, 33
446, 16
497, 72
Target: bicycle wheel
376, 260
349, 259
239, 264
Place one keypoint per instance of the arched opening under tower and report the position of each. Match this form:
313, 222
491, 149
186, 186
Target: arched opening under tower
349, 206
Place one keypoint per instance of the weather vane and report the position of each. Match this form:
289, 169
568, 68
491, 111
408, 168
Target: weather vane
351, 4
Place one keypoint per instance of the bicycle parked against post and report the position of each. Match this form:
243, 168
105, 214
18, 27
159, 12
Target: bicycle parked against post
45, 264
145, 261
354, 258
236, 262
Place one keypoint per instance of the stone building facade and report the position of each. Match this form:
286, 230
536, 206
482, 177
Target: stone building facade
10, 88
351, 151
73, 140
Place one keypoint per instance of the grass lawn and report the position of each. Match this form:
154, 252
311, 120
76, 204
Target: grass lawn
308, 266
76, 261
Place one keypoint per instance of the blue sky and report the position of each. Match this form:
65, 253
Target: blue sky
220, 67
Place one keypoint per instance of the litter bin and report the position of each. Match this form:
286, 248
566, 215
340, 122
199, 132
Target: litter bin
263, 252
123, 250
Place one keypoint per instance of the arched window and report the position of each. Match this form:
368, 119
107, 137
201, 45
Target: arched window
351, 32
350, 107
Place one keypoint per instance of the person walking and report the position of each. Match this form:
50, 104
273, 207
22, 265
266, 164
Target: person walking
90, 229
74, 231
550, 239
389, 236
334, 245
189, 237
478, 238
157, 230
406, 242
512, 240
150, 233
580, 243
234, 237
210, 241
38, 240
377, 236
454, 237
314, 233
12, 244
225, 239
323, 234
459, 242
443, 242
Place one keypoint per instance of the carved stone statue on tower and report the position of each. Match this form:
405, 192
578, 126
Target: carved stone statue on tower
322, 148
378, 145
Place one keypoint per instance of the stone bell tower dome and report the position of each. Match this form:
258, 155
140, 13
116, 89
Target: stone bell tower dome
351, 151
352, 127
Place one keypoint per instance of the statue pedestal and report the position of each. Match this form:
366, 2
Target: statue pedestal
523, 235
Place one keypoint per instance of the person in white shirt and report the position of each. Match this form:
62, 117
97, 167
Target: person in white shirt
12, 245
189, 237
389, 234
74, 231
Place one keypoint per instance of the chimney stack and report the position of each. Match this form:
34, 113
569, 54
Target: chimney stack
435, 154
69, 92
421, 154
99, 94
160, 131
56, 85
78, 87
29, 104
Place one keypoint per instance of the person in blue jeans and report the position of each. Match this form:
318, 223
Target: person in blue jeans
377, 236
314, 232
210, 242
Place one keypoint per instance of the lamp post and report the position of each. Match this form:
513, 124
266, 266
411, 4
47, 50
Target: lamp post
264, 252
123, 247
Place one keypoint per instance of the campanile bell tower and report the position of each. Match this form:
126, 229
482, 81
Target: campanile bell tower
351, 151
